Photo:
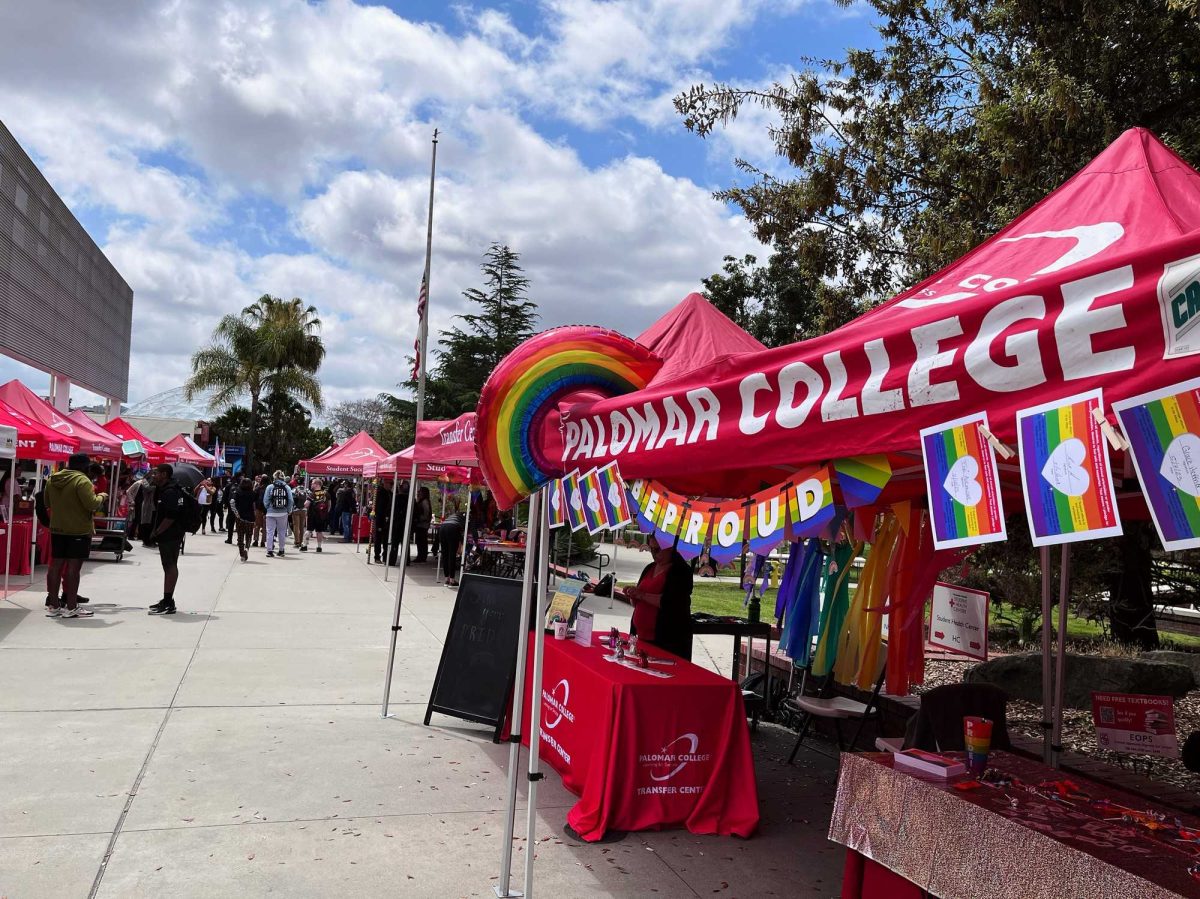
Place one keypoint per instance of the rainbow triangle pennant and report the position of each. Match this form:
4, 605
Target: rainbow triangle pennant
767, 519
614, 495
727, 530
809, 502
862, 478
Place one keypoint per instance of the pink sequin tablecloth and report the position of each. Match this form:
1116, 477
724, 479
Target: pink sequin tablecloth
1035, 832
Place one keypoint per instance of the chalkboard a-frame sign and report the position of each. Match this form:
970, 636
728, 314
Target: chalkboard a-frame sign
479, 659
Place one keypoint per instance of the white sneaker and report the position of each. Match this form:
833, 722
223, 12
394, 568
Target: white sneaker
77, 613
53, 613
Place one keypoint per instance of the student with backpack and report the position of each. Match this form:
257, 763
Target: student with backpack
318, 513
278, 504
299, 507
177, 513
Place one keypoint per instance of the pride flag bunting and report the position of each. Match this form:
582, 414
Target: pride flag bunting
614, 496
557, 511
575, 515
862, 478
595, 512
1163, 430
1065, 472
727, 528
810, 502
768, 519
963, 484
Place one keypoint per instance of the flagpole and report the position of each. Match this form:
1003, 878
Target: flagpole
422, 342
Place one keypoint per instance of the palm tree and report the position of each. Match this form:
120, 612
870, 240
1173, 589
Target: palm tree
273, 346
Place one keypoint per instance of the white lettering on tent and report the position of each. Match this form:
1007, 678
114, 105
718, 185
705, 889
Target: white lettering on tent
767, 517
645, 427
791, 414
601, 443
1021, 347
750, 423
677, 425
669, 517
833, 407
729, 529
927, 339
1078, 323
707, 410
874, 398
622, 431
695, 521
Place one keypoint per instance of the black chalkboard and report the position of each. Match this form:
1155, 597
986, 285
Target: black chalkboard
479, 658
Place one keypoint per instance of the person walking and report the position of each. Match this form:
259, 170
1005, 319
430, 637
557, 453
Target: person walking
216, 512
72, 503
422, 519
232, 486
242, 506
450, 536
348, 503
278, 505
204, 496
383, 517
170, 526
318, 513
299, 513
259, 534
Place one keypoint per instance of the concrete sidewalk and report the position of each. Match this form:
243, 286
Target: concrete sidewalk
236, 748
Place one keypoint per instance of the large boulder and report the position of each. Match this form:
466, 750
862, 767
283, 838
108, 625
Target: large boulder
1190, 659
1020, 676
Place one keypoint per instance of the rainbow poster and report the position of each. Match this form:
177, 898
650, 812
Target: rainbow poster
616, 500
1065, 472
575, 517
1163, 430
594, 511
557, 500
963, 484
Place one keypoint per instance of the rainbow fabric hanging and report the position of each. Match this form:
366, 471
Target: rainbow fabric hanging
860, 644
836, 605
802, 617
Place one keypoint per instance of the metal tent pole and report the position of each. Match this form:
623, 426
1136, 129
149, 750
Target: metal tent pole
37, 485
1047, 683
462, 562
535, 706
387, 546
401, 561
529, 583
12, 482
1060, 659
441, 560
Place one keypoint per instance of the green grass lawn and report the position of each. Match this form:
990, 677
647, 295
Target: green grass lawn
717, 598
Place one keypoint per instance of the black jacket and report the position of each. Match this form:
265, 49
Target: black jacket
673, 629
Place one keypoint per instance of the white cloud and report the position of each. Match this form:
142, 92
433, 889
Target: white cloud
326, 110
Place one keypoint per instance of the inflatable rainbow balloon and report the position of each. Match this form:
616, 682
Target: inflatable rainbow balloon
520, 400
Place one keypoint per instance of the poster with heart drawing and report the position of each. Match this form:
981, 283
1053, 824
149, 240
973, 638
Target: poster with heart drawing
963, 484
1163, 430
1065, 471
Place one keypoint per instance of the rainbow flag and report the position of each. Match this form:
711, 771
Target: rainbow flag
670, 519
727, 530
963, 484
594, 509
616, 500
557, 500
767, 519
1163, 430
809, 502
647, 499
1065, 472
575, 516
862, 478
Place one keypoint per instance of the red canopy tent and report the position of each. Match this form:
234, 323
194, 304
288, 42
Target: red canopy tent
155, 454
28, 403
426, 471
182, 448
1086, 289
448, 442
92, 434
348, 458
35, 441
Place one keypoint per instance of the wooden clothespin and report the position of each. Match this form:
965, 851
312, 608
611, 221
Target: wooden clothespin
1115, 438
1003, 449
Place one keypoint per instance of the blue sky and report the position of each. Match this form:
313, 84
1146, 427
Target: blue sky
219, 150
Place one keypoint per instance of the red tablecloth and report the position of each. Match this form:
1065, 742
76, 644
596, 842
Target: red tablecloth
865, 879
18, 561
642, 752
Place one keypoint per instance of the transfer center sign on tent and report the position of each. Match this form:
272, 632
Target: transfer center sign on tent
1096, 286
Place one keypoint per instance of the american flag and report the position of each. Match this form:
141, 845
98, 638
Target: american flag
422, 301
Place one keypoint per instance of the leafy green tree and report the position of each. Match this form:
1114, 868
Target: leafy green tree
904, 157
272, 347
505, 319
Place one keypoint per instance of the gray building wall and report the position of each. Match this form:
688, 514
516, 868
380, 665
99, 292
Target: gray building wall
63, 306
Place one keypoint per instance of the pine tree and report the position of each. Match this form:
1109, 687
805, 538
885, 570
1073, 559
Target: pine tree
468, 354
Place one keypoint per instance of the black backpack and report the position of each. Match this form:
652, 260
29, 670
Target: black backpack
193, 514
279, 497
